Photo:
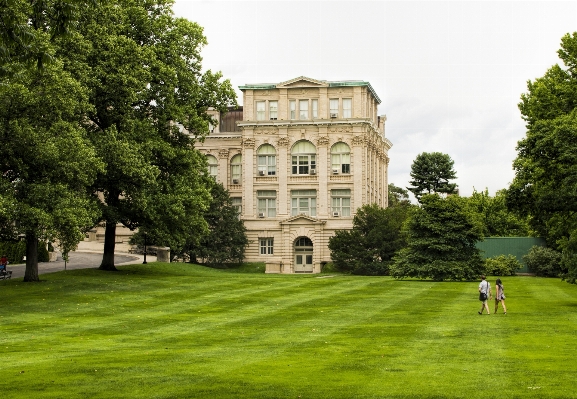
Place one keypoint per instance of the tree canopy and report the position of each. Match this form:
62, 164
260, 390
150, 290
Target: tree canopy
47, 163
546, 165
375, 238
432, 173
142, 68
441, 236
397, 195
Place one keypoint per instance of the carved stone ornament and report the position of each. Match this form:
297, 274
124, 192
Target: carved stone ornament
265, 93
323, 141
248, 143
358, 140
283, 142
223, 153
266, 131
340, 129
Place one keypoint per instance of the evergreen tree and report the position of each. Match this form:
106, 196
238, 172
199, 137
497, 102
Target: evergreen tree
441, 237
431, 173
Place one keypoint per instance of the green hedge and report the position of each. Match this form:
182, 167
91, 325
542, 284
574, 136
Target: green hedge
16, 251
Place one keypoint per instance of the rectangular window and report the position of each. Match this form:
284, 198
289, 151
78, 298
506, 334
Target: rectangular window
266, 202
315, 109
237, 204
303, 109
347, 108
341, 202
304, 201
334, 107
273, 110
293, 109
302, 164
260, 110
266, 246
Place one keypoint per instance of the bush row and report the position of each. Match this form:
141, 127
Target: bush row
15, 251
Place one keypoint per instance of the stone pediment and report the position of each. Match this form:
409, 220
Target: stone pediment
302, 219
302, 81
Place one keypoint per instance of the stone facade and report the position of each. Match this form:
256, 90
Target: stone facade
304, 156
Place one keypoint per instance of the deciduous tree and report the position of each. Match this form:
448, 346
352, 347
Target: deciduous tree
142, 67
546, 166
370, 245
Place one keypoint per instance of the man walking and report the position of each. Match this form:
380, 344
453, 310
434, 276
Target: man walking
484, 294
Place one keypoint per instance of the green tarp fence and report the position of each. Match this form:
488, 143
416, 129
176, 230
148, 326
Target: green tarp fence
516, 246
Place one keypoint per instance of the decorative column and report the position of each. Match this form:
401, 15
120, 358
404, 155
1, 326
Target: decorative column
323, 166
248, 171
283, 172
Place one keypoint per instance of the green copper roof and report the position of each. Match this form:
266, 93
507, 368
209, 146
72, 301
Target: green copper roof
344, 83
355, 83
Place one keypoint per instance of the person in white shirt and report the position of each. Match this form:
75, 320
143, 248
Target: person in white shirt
484, 294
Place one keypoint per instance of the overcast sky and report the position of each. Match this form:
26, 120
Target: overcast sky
449, 74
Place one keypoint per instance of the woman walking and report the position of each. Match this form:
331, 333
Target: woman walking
500, 296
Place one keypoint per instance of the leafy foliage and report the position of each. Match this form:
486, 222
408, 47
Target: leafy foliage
397, 195
373, 241
143, 71
226, 240
546, 165
47, 162
544, 261
502, 265
496, 218
431, 173
441, 242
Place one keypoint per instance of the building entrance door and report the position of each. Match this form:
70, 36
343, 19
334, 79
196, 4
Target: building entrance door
303, 255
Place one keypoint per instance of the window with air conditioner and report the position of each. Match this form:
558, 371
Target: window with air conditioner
336, 214
341, 158
304, 202
341, 202
266, 160
236, 169
266, 203
303, 158
334, 107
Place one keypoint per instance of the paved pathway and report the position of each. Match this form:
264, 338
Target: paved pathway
79, 260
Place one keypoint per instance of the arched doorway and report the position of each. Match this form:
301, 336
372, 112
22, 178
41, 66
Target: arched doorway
303, 247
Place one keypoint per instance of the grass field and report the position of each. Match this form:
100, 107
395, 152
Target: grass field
184, 331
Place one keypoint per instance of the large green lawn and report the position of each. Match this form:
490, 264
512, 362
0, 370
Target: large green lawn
184, 331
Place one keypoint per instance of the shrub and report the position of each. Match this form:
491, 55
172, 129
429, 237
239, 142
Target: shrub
15, 251
502, 265
543, 261
372, 269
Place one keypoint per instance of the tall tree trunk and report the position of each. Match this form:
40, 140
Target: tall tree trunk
109, 244
31, 273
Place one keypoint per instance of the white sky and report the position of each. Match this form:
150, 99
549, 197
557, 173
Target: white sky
449, 74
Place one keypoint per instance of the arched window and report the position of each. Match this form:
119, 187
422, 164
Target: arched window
236, 169
212, 166
304, 158
266, 160
341, 158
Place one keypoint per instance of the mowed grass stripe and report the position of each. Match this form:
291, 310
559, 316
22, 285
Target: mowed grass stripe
340, 337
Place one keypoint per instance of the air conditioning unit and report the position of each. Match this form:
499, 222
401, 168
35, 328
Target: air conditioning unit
335, 171
313, 172
334, 115
273, 119
336, 214
261, 172
261, 214
234, 181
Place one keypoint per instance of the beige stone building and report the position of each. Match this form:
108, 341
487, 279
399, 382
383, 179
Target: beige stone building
298, 159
